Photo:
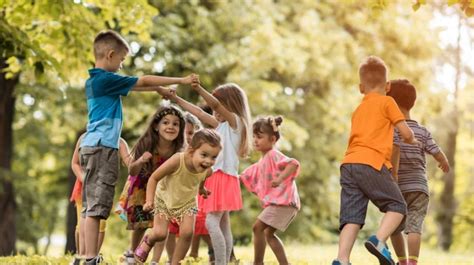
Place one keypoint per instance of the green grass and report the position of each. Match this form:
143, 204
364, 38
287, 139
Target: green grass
298, 255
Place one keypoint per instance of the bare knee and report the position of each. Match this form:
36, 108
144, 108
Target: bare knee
269, 233
258, 227
157, 235
186, 236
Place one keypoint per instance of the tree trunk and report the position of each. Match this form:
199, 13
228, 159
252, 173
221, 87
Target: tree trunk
447, 201
7, 193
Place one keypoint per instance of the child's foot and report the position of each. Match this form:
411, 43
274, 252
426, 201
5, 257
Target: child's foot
128, 258
142, 251
78, 260
380, 250
97, 260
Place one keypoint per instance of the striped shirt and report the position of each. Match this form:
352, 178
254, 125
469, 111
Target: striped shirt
412, 167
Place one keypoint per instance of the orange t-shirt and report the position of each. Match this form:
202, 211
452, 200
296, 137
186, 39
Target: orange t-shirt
371, 138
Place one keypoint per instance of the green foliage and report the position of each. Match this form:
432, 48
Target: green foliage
298, 59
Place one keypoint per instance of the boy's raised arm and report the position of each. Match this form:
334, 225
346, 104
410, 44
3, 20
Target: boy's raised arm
154, 80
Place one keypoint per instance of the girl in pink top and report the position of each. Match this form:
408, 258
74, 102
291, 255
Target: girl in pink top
272, 179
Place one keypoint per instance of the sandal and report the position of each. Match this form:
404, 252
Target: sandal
140, 254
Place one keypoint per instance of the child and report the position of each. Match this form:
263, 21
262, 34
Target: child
411, 171
104, 90
231, 120
76, 197
200, 230
272, 179
163, 138
180, 178
365, 170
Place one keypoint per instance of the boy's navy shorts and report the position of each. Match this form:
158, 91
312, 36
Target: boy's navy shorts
362, 183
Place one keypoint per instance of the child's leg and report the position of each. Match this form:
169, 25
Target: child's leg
259, 243
158, 250
102, 226
414, 244
390, 222
347, 238
82, 236
170, 245
186, 229
158, 233
137, 236
91, 236
195, 246
210, 250
227, 233
213, 221
398, 243
276, 245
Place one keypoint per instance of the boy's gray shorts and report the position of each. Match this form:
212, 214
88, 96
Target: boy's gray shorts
361, 183
100, 165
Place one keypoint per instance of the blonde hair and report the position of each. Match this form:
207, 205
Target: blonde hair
234, 99
373, 72
109, 40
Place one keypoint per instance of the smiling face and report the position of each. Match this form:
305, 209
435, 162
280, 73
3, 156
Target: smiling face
204, 157
168, 127
263, 142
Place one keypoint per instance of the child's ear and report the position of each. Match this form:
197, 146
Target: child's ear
361, 88
274, 139
110, 53
388, 87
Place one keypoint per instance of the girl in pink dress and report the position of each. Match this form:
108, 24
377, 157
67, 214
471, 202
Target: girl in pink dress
231, 118
272, 179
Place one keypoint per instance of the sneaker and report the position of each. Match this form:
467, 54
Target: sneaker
97, 260
127, 258
380, 250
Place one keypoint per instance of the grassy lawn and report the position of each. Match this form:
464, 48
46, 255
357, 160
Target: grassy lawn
298, 254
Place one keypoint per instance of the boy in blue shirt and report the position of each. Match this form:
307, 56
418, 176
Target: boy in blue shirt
99, 147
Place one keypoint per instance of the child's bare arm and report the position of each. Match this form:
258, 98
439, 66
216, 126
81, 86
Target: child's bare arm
168, 167
202, 190
290, 168
442, 160
124, 152
135, 166
75, 165
203, 116
406, 133
395, 161
215, 105
154, 80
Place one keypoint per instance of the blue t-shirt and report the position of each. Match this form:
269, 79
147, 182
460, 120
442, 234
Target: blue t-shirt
104, 91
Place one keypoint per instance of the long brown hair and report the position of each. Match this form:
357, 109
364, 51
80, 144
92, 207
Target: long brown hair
234, 99
150, 139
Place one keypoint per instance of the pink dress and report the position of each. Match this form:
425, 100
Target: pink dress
258, 179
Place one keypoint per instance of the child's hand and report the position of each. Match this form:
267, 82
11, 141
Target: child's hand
190, 79
444, 166
146, 157
148, 206
204, 192
166, 93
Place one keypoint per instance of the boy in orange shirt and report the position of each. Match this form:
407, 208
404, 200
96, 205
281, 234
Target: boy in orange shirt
365, 170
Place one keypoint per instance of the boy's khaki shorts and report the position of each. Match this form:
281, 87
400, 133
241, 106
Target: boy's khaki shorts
100, 165
417, 204
103, 223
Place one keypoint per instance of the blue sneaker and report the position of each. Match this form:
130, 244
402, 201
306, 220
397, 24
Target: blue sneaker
337, 262
380, 250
